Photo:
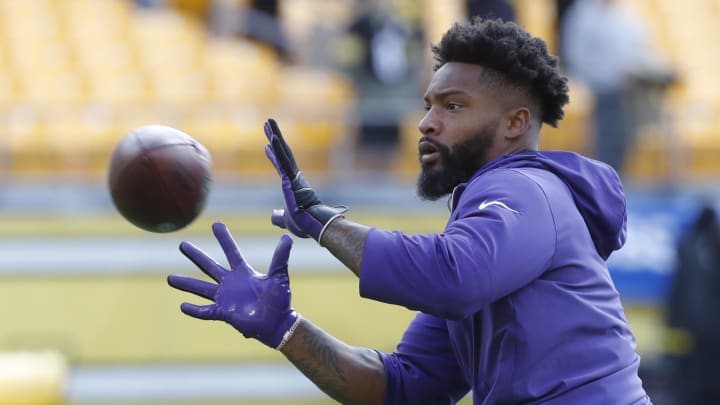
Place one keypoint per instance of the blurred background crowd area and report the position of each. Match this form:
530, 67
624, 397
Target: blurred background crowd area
87, 316
343, 77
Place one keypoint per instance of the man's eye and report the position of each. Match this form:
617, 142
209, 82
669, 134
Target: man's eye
453, 106
426, 107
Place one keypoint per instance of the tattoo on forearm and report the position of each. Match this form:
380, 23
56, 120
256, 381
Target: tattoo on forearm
324, 352
346, 241
323, 368
350, 375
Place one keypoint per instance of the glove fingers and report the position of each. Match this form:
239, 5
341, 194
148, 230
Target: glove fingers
280, 147
285, 147
279, 262
268, 131
285, 159
205, 312
288, 194
271, 157
232, 252
193, 286
204, 262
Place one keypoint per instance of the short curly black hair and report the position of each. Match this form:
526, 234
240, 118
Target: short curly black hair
519, 58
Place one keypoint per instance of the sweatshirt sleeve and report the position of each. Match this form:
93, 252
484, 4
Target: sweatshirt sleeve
500, 238
423, 369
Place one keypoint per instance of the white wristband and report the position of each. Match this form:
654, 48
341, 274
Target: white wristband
289, 333
322, 231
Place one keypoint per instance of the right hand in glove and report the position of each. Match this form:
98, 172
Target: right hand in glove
257, 305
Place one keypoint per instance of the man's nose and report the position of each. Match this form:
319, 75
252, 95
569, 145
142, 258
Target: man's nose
429, 125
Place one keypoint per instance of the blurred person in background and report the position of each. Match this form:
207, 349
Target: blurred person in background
223, 18
256, 20
386, 81
606, 47
262, 22
695, 295
501, 9
561, 7
151, 4
514, 297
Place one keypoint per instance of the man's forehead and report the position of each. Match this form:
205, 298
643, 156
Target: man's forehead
455, 75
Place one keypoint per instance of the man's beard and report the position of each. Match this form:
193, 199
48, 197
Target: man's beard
457, 164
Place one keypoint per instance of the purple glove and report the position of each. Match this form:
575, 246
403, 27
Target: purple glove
304, 215
257, 305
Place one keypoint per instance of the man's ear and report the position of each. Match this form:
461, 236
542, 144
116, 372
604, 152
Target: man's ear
517, 121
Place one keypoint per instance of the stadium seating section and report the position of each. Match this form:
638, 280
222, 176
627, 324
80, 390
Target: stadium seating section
76, 75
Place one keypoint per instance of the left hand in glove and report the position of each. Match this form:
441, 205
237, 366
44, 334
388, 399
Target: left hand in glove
257, 305
304, 215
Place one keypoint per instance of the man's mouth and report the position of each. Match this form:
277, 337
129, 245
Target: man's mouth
428, 153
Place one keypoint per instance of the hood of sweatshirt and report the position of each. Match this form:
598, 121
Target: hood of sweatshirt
595, 186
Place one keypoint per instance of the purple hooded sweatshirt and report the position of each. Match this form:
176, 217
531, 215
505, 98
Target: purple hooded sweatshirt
515, 299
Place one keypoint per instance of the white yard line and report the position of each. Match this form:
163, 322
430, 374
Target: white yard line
126, 255
127, 384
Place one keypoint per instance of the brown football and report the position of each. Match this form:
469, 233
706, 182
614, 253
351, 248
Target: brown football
159, 178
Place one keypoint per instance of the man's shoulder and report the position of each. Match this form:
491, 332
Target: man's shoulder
513, 179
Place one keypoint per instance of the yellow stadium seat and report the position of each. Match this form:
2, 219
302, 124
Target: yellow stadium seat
130, 87
538, 17
178, 57
76, 130
160, 27
300, 17
241, 71
211, 126
42, 57
105, 60
305, 86
28, 11
95, 33
439, 15
8, 89
574, 131
178, 87
59, 139
192, 7
223, 54
30, 151
240, 88
128, 116
704, 151
315, 104
51, 87
33, 378
406, 162
651, 157
319, 141
232, 134
90, 10
22, 32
